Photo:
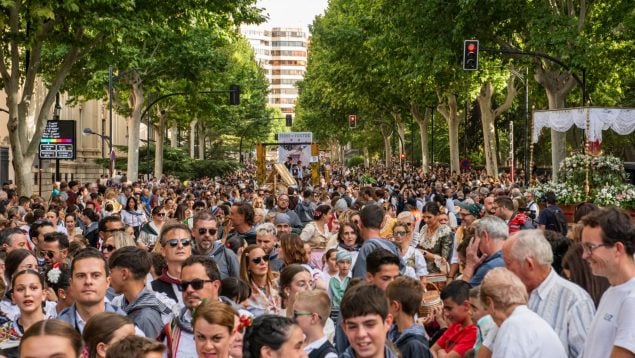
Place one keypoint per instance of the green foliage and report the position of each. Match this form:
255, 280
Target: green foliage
177, 162
355, 161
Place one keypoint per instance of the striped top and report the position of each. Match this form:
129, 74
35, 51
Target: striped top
568, 309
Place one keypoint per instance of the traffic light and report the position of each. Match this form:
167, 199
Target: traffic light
402, 155
470, 55
234, 95
352, 121
289, 119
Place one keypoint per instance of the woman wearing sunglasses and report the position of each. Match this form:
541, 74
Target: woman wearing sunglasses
117, 240
134, 215
150, 230
254, 269
28, 294
416, 266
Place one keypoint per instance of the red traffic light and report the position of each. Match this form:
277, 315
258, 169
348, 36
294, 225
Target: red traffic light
402, 155
471, 47
352, 121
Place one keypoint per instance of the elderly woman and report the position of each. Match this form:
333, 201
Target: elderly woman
521, 332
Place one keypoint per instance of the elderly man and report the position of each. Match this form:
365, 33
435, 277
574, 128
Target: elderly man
564, 305
608, 242
490, 234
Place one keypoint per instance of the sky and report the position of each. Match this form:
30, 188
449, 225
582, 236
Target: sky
292, 13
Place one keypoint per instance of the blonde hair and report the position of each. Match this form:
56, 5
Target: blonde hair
319, 302
122, 239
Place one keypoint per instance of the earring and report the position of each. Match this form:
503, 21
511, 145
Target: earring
63, 297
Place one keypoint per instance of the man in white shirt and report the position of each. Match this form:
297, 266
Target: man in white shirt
567, 307
608, 242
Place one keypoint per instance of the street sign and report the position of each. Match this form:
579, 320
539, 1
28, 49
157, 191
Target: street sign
58, 140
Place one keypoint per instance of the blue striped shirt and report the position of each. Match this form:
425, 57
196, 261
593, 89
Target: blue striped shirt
568, 309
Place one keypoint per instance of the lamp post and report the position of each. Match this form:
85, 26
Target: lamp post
56, 117
108, 140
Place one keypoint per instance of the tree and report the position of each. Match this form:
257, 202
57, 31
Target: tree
45, 40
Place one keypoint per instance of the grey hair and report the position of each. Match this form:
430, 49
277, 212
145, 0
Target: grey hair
266, 229
504, 288
405, 214
531, 243
494, 226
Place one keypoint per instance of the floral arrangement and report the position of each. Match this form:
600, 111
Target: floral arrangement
607, 180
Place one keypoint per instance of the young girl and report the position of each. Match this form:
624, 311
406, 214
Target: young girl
330, 265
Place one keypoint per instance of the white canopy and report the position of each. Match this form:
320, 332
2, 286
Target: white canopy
621, 120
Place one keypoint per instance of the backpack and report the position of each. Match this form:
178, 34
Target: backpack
559, 223
323, 350
305, 212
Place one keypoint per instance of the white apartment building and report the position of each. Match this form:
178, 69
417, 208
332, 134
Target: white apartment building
282, 54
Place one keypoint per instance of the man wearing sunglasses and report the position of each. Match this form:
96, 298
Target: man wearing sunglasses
205, 234
53, 248
107, 226
176, 247
200, 280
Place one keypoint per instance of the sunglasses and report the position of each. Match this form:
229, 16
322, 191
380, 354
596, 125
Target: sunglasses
108, 248
399, 233
49, 254
175, 242
115, 230
258, 260
160, 214
202, 231
196, 284
297, 314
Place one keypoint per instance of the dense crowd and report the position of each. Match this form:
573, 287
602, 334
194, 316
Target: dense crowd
383, 262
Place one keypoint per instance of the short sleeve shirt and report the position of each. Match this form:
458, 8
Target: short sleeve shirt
458, 338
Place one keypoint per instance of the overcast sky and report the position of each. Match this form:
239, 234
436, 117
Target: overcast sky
292, 13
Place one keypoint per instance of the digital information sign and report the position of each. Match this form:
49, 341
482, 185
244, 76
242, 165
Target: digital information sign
58, 140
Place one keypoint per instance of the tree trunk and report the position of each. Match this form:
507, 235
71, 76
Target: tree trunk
158, 146
201, 141
557, 86
487, 119
366, 158
174, 135
135, 102
387, 134
401, 132
449, 109
193, 138
422, 121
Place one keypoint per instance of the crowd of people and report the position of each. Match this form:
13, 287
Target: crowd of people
371, 263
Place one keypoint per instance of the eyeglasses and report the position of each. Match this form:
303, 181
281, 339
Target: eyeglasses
589, 248
258, 260
297, 314
108, 248
42, 253
399, 233
196, 284
160, 214
175, 242
202, 231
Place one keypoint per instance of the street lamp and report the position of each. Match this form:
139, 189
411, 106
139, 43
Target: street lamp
108, 140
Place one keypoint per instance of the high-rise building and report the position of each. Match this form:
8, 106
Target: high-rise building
282, 54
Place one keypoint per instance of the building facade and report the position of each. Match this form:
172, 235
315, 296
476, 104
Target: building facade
282, 54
